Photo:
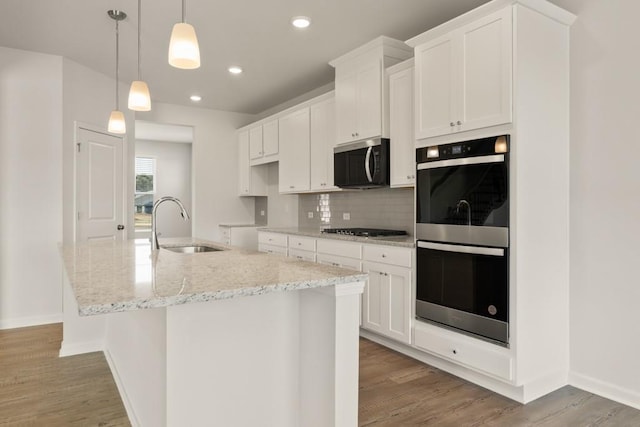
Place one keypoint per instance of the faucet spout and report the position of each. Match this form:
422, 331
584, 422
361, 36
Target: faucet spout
468, 205
154, 235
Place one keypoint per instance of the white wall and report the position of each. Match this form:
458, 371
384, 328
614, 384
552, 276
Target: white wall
30, 188
214, 165
173, 178
605, 198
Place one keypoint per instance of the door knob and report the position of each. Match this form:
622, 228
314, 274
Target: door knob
120, 227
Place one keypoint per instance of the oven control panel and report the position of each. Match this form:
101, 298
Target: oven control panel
473, 148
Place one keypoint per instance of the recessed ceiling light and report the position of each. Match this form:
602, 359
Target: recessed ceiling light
235, 69
300, 21
195, 98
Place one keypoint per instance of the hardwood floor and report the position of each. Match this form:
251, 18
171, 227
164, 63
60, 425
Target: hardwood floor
37, 388
396, 390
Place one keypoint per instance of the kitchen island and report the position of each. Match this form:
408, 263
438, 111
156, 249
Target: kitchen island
229, 337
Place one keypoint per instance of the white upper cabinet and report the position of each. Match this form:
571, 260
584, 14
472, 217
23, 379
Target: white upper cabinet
252, 180
361, 90
263, 143
401, 129
463, 78
322, 139
294, 152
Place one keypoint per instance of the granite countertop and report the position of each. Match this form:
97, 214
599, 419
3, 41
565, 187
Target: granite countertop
402, 241
109, 277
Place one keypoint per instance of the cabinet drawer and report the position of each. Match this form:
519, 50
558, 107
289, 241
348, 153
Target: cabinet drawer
225, 231
264, 247
334, 247
338, 261
464, 352
302, 243
276, 239
302, 255
388, 255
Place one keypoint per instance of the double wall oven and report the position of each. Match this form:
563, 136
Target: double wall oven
462, 233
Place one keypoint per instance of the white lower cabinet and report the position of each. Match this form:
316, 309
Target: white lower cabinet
273, 243
386, 301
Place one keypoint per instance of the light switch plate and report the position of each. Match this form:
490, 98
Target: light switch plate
261, 213
309, 214
346, 216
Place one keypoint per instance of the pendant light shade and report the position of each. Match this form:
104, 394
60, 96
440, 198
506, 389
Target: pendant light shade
116, 122
139, 97
184, 51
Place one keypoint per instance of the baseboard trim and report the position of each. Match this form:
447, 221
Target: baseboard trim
605, 389
121, 389
71, 349
23, 322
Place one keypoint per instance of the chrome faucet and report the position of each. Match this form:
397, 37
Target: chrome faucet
464, 202
154, 235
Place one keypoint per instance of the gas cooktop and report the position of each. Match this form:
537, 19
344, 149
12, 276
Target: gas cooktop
365, 232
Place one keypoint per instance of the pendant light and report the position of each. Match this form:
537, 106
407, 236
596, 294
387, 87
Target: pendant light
139, 98
183, 47
116, 120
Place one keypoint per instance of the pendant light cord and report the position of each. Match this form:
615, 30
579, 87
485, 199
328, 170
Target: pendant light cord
139, 39
117, 67
184, 11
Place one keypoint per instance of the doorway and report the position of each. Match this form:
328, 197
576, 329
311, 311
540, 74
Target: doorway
162, 168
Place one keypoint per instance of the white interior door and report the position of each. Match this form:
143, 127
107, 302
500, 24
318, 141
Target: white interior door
99, 186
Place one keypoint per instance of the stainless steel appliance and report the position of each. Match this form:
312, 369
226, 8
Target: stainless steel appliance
362, 164
462, 232
365, 232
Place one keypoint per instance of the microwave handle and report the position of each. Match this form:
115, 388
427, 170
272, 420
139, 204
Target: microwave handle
367, 158
462, 249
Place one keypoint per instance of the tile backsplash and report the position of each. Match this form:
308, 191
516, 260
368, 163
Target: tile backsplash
390, 208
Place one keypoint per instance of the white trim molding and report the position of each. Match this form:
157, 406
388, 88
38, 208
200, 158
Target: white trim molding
607, 390
23, 322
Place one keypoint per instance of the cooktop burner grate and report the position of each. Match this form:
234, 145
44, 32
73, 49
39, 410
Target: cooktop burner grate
365, 232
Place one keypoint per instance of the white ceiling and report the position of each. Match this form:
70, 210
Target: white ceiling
280, 62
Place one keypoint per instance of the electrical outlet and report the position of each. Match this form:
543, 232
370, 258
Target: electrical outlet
261, 213
309, 215
346, 216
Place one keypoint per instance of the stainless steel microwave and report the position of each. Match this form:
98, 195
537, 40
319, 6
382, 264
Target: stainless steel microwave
362, 164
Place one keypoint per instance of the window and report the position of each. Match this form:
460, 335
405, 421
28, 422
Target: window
145, 192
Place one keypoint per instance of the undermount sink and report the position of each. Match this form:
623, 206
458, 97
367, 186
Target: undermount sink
191, 249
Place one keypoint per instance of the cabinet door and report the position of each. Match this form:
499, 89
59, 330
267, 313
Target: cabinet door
294, 152
244, 173
255, 142
485, 80
386, 302
346, 107
434, 64
270, 138
369, 101
403, 164
322, 140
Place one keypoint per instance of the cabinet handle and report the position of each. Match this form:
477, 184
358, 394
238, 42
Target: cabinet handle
298, 256
299, 244
452, 124
458, 122
455, 351
291, 186
384, 256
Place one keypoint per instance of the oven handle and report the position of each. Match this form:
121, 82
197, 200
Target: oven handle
495, 158
462, 249
367, 169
